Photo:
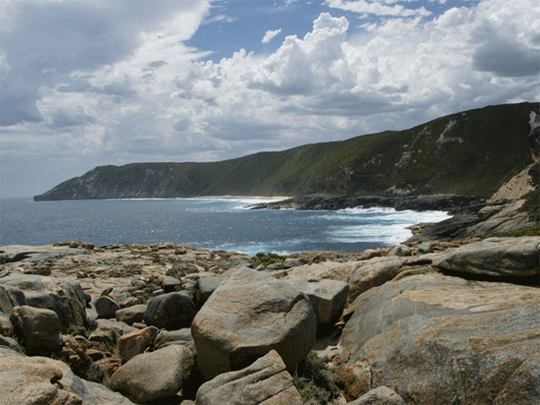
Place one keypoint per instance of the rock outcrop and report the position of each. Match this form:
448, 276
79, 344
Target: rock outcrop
65, 298
442, 339
433, 202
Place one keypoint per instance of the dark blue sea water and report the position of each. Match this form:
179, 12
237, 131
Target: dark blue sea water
212, 223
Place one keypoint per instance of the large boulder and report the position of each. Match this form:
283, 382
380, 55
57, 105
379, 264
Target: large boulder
441, 339
248, 315
38, 328
154, 375
515, 258
328, 297
66, 298
264, 382
40, 380
170, 311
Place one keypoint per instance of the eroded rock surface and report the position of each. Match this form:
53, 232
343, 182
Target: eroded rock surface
444, 339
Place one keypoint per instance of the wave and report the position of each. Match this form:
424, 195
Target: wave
390, 228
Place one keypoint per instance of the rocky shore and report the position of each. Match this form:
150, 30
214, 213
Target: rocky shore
436, 202
445, 318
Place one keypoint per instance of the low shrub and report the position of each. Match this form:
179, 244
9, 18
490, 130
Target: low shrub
315, 383
266, 259
76, 330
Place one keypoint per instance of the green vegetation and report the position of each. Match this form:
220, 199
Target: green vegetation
532, 231
471, 153
266, 259
76, 330
316, 384
532, 203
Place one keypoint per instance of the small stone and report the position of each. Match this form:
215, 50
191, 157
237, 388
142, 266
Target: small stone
135, 343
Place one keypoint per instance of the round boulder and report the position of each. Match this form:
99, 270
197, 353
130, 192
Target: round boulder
39, 328
170, 311
150, 376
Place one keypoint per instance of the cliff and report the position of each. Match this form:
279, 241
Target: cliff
472, 153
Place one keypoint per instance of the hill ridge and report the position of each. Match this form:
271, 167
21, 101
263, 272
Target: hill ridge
470, 153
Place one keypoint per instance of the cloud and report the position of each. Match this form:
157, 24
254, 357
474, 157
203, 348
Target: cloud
303, 66
43, 41
70, 118
378, 8
507, 39
269, 35
507, 59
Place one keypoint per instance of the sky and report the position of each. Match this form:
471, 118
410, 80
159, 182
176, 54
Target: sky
85, 83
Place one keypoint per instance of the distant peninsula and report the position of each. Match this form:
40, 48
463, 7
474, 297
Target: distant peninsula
472, 153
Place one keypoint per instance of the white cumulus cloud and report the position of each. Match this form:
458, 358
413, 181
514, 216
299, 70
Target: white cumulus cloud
378, 8
269, 35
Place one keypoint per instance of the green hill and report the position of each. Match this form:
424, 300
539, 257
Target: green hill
471, 153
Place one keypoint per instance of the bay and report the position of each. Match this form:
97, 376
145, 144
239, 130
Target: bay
205, 223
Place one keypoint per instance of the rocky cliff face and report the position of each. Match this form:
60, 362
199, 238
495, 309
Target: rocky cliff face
132, 181
471, 153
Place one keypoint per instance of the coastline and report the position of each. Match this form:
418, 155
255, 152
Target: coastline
214, 224
444, 288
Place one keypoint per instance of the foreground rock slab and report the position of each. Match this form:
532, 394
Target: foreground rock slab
264, 382
441, 339
249, 315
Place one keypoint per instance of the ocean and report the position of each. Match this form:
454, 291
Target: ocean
205, 223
